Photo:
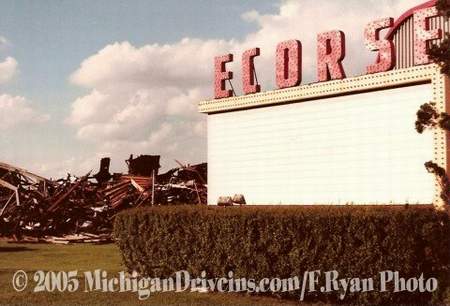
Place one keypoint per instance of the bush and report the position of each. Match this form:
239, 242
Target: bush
259, 242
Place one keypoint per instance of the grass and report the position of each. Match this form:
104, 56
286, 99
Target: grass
86, 257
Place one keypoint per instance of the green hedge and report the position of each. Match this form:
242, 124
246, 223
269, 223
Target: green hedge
259, 242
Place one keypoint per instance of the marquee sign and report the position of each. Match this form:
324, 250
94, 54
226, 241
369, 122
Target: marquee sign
330, 53
340, 140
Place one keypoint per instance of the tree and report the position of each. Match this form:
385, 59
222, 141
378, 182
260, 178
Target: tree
427, 116
443, 7
440, 54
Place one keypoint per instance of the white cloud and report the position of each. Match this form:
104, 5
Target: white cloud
58, 168
144, 99
8, 69
129, 67
85, 109
16, 110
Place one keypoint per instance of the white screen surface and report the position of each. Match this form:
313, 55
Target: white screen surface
359, 149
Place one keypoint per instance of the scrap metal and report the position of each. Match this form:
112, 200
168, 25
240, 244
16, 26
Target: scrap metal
82, 209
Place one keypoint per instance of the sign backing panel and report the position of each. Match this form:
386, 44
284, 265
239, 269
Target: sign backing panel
352, 149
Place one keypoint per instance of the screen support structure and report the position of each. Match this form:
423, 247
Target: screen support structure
440, 85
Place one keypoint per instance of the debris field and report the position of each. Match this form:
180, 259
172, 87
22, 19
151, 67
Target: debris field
82, 209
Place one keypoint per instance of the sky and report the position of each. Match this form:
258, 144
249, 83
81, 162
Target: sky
81, 80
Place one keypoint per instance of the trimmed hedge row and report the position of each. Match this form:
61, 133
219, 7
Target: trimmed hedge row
259, 242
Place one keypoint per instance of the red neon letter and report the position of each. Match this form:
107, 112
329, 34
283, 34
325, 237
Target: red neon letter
289, 64
249, 85
423, 34
386, 54
330, 53
221, 75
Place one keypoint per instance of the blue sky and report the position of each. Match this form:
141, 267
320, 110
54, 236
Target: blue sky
49, 39
114, 77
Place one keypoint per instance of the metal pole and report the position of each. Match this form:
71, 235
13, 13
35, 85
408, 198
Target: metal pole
153, 187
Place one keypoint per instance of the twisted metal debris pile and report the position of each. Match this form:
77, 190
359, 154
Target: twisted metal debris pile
82, 209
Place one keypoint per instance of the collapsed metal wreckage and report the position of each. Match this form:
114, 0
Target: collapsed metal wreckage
82, 209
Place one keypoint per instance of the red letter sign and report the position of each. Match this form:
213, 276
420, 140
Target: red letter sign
289, 64
221, 75
422, 34
248, 71
386, 55
330, 53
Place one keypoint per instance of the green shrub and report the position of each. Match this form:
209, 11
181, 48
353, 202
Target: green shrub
259, 242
